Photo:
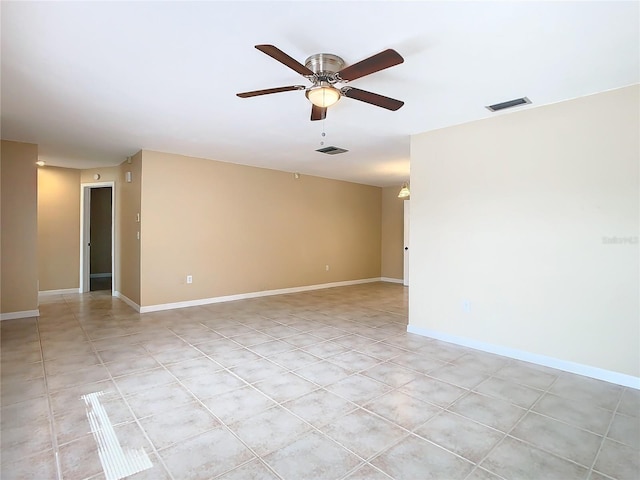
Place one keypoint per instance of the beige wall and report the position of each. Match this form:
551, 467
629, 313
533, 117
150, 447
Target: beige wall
241, 229
58, 228
127, 252
107, 174
19, 227
283, 231
392, 256
514, 215
59, 224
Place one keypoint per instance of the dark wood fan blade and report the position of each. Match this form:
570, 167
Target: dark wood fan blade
318, 113
255, 93
372, 98
375, 63
279, 55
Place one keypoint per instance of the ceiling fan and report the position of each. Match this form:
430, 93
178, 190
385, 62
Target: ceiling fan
324, 71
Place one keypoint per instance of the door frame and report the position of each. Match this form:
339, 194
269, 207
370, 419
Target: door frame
85, 233
405, 252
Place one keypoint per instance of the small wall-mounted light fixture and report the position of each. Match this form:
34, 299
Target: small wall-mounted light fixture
296, 176
96, 176
128, 178
404, 191
41, 163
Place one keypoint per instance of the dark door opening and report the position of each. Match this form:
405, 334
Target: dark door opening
100, 274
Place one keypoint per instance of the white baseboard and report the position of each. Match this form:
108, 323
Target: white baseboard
565, 365
391, 280
100, 275
16, 315
127, 300
62, 291
243, 296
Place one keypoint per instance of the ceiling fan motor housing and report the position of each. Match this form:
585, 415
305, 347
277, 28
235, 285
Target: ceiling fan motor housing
325, 65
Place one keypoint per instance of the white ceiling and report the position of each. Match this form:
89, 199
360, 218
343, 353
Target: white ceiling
94, 82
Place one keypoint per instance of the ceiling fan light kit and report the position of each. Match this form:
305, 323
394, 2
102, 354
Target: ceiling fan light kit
324, 70
323, 95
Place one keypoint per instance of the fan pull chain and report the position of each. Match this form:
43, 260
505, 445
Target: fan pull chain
323, 134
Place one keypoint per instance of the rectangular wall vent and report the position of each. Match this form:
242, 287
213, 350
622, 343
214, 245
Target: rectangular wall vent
508, 104
331, 150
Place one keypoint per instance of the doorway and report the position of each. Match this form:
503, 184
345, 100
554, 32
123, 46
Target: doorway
97, 237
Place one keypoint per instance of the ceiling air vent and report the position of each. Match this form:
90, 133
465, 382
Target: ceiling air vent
508, 104
331, 150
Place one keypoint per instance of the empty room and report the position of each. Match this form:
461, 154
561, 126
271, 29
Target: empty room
350, 240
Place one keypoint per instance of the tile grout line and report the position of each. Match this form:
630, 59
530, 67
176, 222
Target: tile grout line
281, 404
362, 407
506, 434
244, 320
135, 418
530, 410
224, 425
366, 461
443, 409
321, 359
604, 435
52, 424
529, 444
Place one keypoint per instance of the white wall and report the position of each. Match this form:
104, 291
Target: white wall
514, 214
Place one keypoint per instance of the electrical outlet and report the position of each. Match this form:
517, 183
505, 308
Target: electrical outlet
466, 306
326, 267
189, 279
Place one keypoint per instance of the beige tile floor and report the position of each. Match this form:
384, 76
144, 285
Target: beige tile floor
317, 385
